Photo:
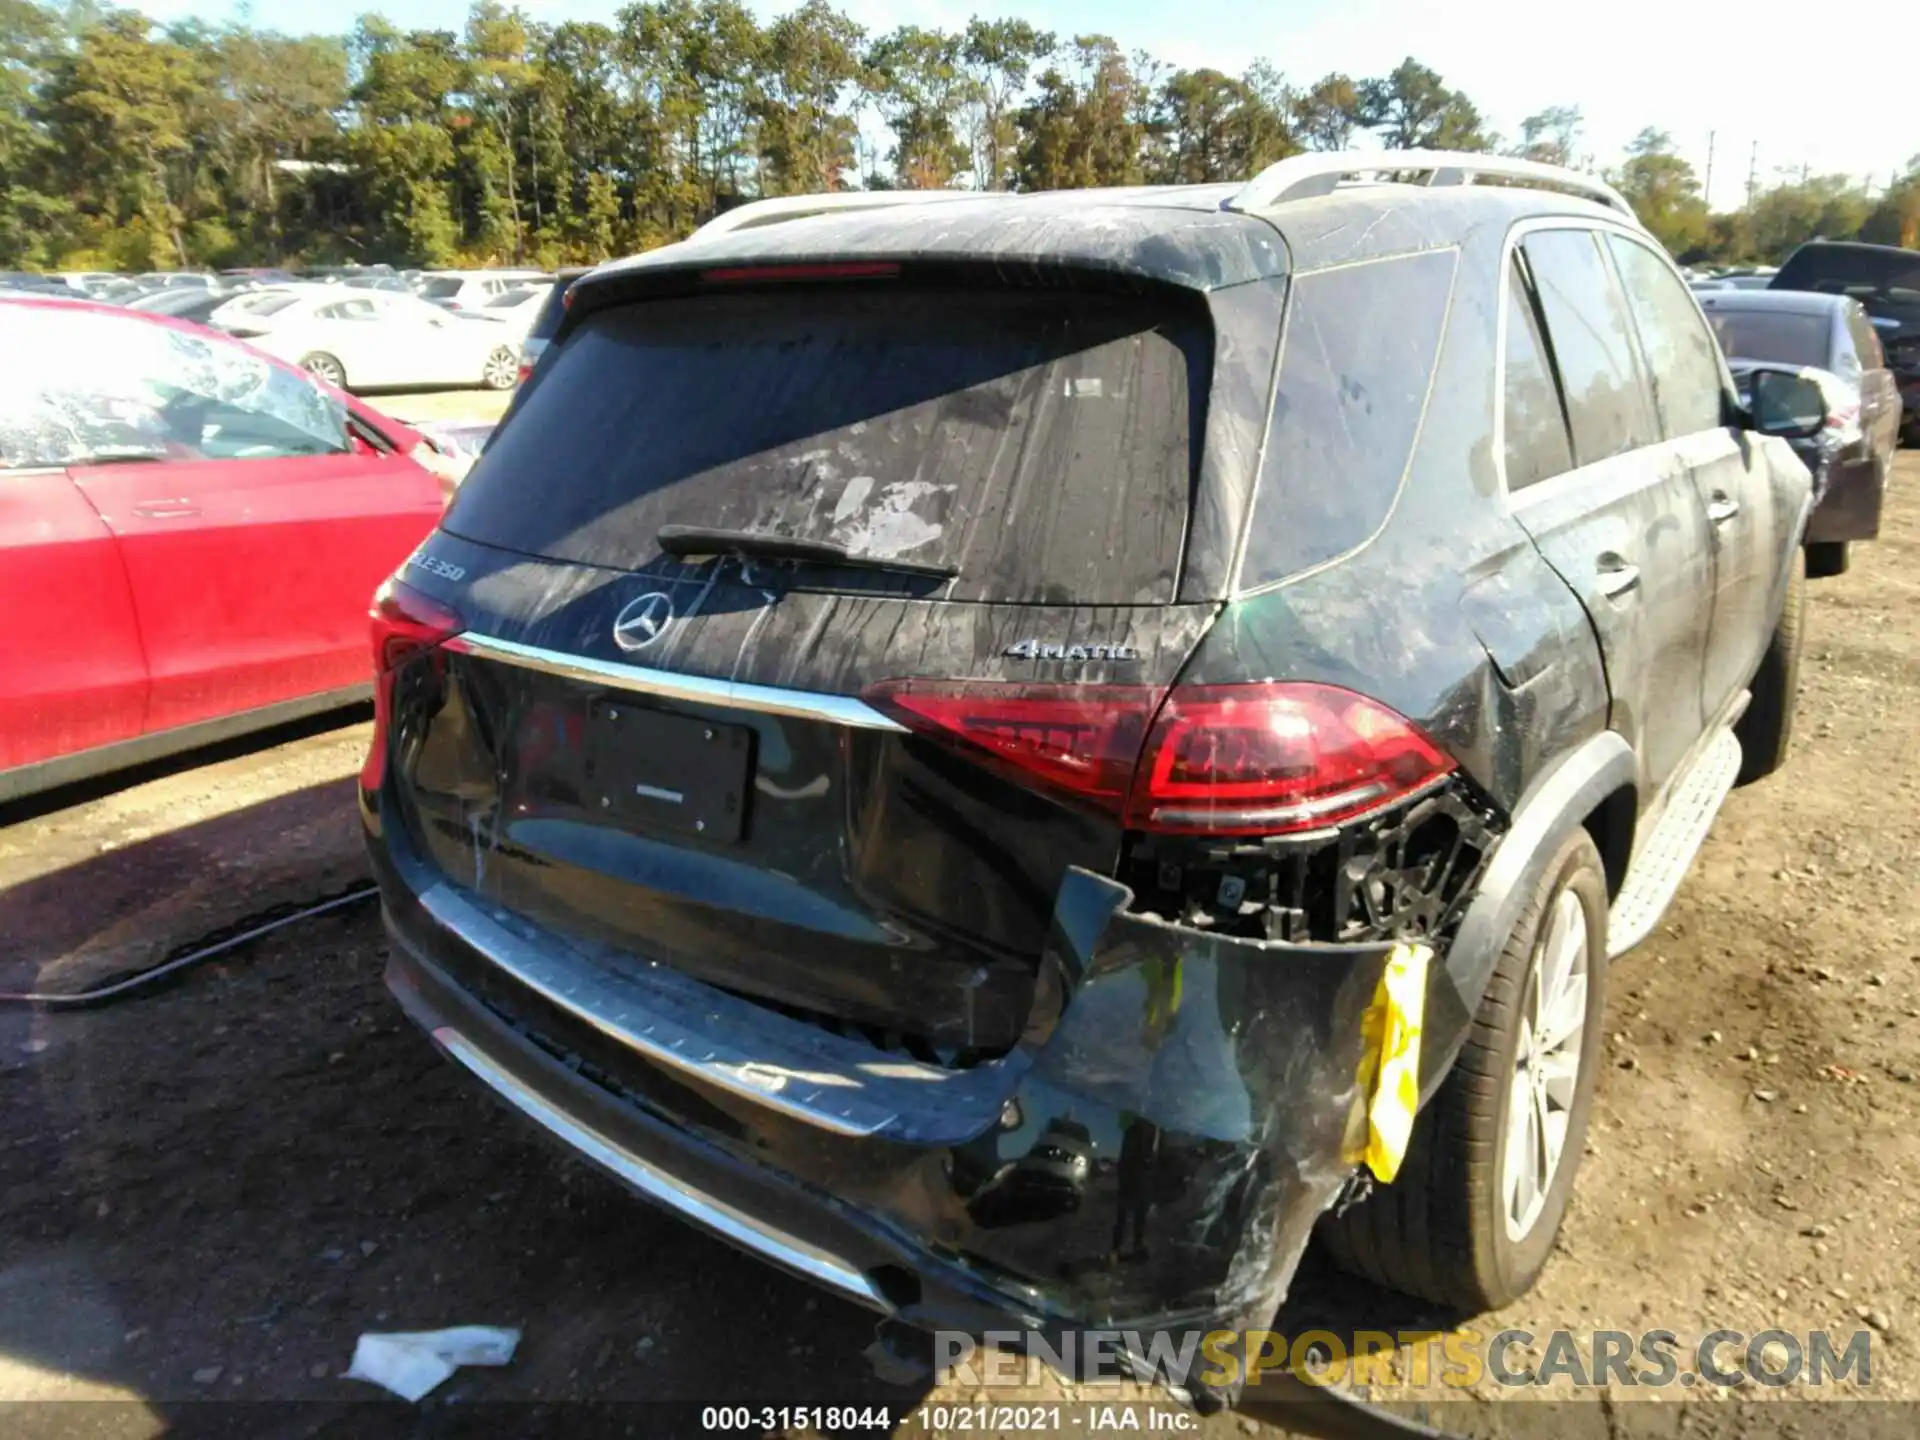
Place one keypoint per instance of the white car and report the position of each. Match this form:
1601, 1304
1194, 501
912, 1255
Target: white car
360, 339
517, 309
470, 289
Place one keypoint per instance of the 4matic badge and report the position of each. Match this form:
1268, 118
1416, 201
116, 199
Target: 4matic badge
1046, 650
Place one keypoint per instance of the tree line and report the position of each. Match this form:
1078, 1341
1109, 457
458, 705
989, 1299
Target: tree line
129, 145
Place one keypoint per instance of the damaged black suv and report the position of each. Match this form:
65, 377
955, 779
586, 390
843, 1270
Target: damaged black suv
920, 741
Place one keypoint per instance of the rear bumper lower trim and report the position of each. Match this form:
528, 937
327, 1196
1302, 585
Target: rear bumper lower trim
692, 689
743, 1230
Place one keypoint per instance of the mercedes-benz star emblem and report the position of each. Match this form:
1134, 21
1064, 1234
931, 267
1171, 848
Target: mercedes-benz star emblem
643, 621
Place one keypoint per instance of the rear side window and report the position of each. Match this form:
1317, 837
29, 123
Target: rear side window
1592, 336
1681, 356
1866, 340
1044, 443
1356, 365
1777, 336
1534, 425
553, 311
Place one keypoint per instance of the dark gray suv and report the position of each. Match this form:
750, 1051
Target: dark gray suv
922, 737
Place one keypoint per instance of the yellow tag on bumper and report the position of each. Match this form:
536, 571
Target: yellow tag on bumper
1389, 1073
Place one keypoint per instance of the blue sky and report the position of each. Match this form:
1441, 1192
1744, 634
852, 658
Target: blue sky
1688, 66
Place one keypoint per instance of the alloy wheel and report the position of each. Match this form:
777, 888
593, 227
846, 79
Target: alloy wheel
503, 368
1546, 1069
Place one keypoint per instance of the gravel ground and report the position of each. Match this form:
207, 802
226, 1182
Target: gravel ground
209, 1192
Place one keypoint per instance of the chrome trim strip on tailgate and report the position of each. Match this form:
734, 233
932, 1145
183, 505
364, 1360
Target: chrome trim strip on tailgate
743, 1230
734, 1045
695, 689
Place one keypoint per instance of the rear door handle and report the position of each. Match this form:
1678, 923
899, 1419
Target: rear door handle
1617, 575
1722, 508
166, 509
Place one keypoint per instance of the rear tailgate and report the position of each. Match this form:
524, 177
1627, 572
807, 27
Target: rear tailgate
703, 763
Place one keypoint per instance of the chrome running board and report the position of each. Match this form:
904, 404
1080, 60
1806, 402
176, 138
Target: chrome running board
1662, 859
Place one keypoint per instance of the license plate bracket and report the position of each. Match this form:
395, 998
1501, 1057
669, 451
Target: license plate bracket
668, 772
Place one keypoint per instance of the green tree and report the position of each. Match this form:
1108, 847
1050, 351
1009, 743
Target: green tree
1414, 110
1664, 193
1327, 114
1895, 219
1086, 122
1549, 135
1208, 126
922, 89
117, 106
691, 66
998, 56
811, 61
28, 213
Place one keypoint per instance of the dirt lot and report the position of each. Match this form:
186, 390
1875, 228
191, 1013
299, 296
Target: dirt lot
209, 1192
444, 404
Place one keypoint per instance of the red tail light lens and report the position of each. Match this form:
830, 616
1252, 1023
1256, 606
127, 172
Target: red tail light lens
405, 624
1268, 758
1083, 740
526, 372
1261, 759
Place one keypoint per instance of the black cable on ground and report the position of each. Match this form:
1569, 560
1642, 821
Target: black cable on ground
202, 950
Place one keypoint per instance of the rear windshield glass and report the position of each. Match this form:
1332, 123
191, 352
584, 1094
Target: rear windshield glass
1773, 335
1042, 443
444, 289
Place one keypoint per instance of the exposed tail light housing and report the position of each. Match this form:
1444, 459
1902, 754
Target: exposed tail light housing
1257, 759
405, 624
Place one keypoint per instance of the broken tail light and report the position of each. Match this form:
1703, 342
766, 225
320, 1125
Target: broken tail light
1255, 759
1267, 758
405, 624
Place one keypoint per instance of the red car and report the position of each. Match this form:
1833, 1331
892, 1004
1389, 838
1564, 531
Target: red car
190, 532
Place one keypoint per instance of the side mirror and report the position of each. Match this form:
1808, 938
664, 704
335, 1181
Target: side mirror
1786, 405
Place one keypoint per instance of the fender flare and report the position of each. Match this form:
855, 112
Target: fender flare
1557, 804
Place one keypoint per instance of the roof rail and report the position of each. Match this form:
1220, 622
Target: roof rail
797, 207
1301, 176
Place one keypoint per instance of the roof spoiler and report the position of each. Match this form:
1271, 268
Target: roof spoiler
1300, 177
797, 207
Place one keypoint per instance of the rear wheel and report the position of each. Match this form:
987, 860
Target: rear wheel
503, 369
1827, 558
1766, 729
1472, 1216
325, 367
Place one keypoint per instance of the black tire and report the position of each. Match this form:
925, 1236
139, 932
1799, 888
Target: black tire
326, 367
1827, 558
1439, 1231
1766, 730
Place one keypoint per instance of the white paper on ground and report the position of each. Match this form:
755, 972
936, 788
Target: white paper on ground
411, 1364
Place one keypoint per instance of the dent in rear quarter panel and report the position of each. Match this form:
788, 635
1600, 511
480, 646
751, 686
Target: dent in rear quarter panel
1448, 613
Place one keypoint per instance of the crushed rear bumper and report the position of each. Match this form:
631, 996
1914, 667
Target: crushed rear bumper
1152, 1156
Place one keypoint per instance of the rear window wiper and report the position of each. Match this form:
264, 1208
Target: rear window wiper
682, 541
